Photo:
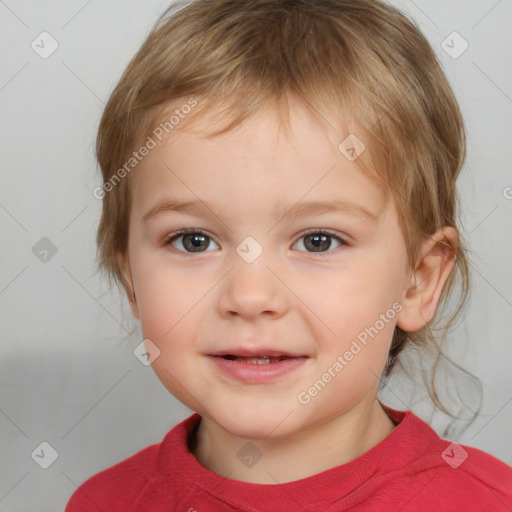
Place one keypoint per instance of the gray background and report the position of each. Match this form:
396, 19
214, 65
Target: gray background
68, 375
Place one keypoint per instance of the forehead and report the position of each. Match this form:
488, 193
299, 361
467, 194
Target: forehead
262, 158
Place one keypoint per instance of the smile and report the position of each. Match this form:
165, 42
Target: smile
257, 370
255, 360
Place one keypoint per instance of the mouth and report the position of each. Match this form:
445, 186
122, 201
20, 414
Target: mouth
253, 368
255, 359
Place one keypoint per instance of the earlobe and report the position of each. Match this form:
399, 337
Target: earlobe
434, 264
124, 265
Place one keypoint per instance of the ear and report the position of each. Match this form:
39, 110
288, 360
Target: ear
123, 263
434, 264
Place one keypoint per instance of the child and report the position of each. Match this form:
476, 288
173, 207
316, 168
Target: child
279, 204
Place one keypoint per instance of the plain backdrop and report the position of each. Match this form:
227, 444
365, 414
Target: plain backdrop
68, 375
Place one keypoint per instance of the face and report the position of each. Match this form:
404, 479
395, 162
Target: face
266, 267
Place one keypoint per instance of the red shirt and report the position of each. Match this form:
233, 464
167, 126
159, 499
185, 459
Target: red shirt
412, 469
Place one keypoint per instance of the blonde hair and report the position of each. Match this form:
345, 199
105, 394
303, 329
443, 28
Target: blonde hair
363, 56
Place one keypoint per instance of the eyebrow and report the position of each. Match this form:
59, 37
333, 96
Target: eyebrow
286, 210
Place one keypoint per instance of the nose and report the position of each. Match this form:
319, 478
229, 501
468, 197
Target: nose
252, 289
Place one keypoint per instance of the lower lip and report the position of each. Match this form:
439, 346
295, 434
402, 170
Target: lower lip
257, 373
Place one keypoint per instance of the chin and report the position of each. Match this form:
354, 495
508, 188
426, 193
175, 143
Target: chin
244, 430
256, 423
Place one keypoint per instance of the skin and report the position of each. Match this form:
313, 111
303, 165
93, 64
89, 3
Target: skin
301, 301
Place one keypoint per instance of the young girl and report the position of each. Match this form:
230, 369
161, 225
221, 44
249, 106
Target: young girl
279, 205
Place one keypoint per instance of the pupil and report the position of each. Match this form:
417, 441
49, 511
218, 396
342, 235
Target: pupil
319, 242
193, 242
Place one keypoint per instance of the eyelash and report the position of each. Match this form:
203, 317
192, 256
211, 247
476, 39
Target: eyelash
174, 236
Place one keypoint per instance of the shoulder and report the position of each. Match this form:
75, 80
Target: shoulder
141, 476
464, 475
481, 471
116, 487
480, 482
435, 472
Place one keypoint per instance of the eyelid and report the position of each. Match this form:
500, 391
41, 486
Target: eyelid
185, 231
330, 232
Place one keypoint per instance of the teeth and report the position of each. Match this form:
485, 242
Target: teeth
257, 360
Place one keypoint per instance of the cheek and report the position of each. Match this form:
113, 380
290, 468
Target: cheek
169, 304
361, 308
354, 297
165, 295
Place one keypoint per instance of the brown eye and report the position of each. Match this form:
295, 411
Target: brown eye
320, 241
190, 241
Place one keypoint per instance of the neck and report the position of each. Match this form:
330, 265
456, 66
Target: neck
332, 443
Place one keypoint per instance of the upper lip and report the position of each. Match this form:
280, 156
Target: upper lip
259, 352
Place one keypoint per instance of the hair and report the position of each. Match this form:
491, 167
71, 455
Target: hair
364, 57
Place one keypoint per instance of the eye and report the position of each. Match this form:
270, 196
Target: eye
319, 241
195, 240
190, 240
